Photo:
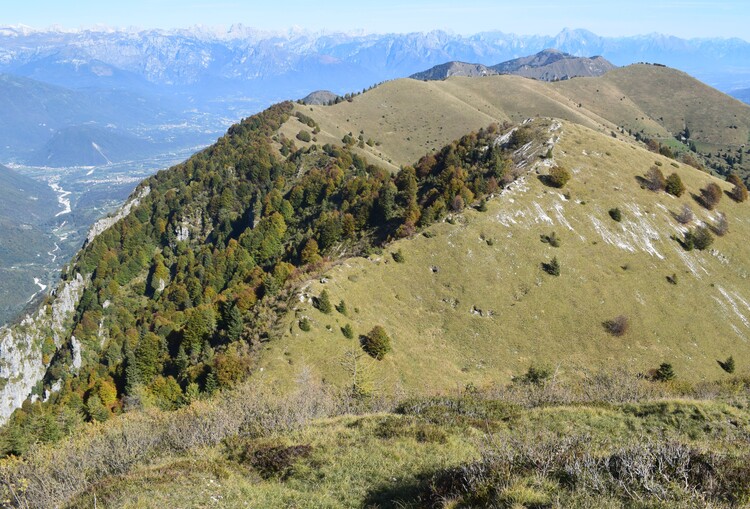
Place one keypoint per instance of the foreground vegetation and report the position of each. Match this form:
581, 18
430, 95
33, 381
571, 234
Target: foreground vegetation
605, 440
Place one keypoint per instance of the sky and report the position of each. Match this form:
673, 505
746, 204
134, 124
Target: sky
719, 18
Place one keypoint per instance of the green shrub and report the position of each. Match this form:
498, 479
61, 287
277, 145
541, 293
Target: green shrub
674, 186
304, 136
398, 256
341, 308
552, 268
665, 373
304, 324
377, 343
347, 331
550, 239
323, 303
699, 238
519, 138
536, 375
558, 176
727, 365
615, 214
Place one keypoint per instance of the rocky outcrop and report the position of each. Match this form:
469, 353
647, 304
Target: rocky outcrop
106, 222
22, 365
320, 98
443, 71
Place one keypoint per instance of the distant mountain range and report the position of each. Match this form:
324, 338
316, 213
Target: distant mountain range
547, 65
183, 86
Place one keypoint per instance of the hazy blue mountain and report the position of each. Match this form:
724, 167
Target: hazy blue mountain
257, 67
34, 113
24, 199
89, 145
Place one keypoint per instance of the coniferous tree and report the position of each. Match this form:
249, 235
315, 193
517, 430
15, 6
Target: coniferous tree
234, 324
377, 343
665, 373
324, 302
674, 185
727, 365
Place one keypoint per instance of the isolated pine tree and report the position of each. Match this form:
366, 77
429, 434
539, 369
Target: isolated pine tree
728, 365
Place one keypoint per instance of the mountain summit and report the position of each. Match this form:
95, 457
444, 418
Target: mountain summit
547, 65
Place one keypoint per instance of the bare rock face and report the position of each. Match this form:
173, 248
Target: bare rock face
320, 98
22, 365
106, 222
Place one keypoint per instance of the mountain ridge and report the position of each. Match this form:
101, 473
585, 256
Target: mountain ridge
547, 65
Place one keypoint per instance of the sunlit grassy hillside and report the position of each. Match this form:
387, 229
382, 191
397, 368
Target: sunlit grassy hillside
471, 302
409, 118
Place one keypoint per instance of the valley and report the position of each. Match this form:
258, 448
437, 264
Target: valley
78, 197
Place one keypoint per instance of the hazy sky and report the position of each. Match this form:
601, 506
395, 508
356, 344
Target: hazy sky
728, 18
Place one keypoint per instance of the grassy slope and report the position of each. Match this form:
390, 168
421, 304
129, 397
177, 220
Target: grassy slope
608, 269
383, 460
411, 118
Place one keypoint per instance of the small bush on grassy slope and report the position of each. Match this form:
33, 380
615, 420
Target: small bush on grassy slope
618, 326
347, 331
655, 180
376, 343
536, 375
665, 373
341, 308
304, 325
710, 196
739, 192
686, 215
558, 177
727, 365
552, 268
304, 136
550, 239
674, 186
323, 303
699, 238
721, 226
615, 214
398, 256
